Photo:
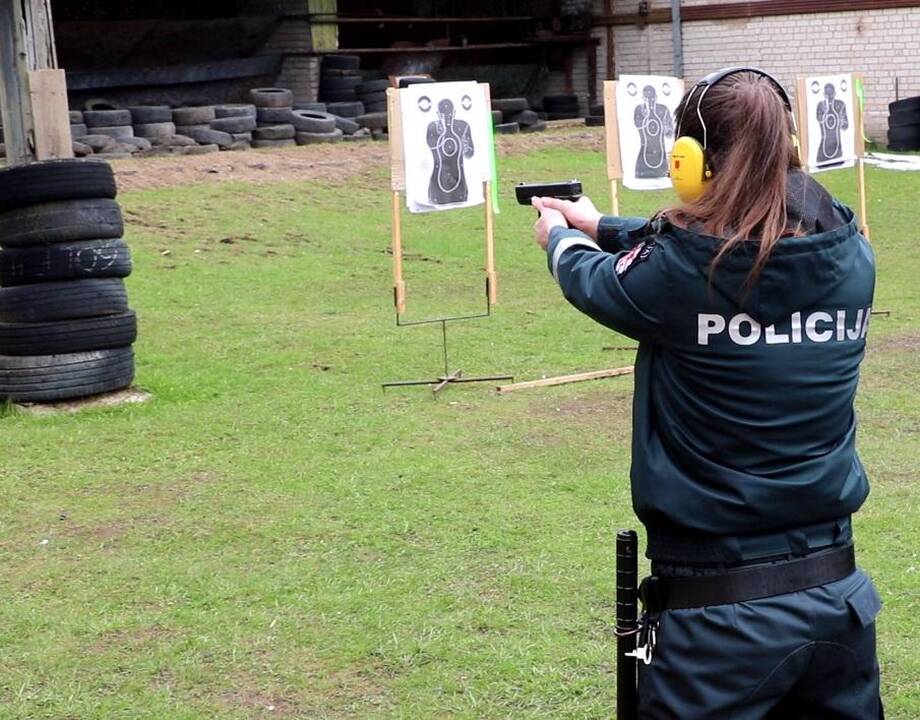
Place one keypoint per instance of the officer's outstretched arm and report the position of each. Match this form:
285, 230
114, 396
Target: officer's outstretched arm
625, 291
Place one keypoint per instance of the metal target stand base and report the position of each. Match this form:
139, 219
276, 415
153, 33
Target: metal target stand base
448, 378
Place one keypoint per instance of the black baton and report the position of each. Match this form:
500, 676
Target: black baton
627, 623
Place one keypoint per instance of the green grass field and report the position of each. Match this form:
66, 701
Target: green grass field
273, 536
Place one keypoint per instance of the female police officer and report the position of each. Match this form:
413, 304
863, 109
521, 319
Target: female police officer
751, 302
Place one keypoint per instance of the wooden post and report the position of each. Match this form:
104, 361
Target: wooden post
801, 115
491, 277
397, 183
399, 285
860, 140
612, 135
33, 94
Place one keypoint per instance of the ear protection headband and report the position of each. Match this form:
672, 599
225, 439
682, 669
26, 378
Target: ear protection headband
689, 166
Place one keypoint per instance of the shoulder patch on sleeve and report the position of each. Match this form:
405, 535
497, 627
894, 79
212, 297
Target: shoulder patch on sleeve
640, 253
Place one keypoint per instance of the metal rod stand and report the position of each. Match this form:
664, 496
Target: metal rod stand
447, 378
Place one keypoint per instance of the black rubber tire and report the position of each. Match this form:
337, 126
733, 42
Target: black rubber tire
328, 72
374, 121
274, 132
556, 100
508, 128
287, 142
202, 115
343, 109
273, 116
78, 130
314, 106
312, 122
339, 84
332, 97
346, 125
510, 105
310, 138
61, 222
233, 125
900, 118
524, 117
904, 134
53, 180
234, 110
85, 260
371, 108
911, 104
68, 336
374, 97
341, 62
48, 378
270, 97
100, 104
76, 117
67, 300
538, 127
154, 131
207, 136
372, 86
594, 121
106, 118
146, 114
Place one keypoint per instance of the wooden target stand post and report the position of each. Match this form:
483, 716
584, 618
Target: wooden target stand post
612, 137
398, 186
859, 141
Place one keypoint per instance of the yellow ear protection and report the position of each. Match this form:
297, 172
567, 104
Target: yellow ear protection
689, 167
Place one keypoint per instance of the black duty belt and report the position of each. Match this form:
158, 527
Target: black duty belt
660, 593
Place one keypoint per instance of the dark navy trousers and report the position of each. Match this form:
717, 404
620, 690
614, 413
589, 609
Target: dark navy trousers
808, 655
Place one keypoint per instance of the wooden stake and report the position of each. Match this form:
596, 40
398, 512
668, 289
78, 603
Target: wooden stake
801, 115
491, 277
565, 379
860, 141
614, 197
399, 286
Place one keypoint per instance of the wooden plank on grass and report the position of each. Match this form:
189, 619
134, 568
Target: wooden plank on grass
565, 379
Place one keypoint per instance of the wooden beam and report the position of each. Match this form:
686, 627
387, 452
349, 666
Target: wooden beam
565, 379
14, 84
33, 94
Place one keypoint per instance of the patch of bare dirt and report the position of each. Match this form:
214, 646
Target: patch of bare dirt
905, 342
329, 164
609, 405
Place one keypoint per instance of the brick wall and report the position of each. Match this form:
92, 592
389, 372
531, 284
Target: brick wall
881, 44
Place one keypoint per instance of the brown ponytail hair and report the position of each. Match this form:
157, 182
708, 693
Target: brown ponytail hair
750, 151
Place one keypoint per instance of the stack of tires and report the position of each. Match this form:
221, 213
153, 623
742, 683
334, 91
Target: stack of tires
904, 124
65, 328
514, 116
274, 107
339, 78
561, 107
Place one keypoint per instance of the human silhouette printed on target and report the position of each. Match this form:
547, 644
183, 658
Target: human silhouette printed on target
655, 124
450, 141
832, 118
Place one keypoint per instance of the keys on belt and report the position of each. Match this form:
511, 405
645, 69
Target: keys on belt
646, 640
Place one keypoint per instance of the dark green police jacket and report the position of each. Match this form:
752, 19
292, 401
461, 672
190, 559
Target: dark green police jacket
743, 424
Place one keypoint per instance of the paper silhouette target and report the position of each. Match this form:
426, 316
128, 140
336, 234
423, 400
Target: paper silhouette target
830, 103
645, 107
445, 143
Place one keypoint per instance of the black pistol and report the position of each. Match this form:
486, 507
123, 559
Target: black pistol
566, 190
